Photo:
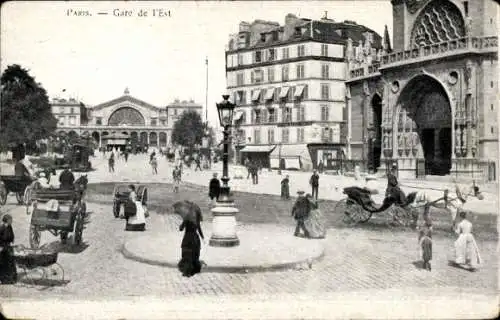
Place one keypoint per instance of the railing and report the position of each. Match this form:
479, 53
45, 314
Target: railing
437, 50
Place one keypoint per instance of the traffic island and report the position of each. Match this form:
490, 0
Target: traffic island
262, 248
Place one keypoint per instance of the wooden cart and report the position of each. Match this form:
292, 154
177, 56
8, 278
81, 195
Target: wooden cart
16, 184
69, 216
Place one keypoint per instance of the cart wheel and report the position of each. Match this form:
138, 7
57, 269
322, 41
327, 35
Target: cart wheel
79, 228
340, 211
20, 197
54, 274
401, 216
357, 213
35, 236
3, 195
116, 209
28, 195
64, 237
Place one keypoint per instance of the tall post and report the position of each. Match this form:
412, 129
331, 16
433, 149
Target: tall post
224, 195
206, 93
279, 159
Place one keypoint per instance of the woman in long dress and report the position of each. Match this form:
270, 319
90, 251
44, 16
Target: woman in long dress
315, 222
190, 263
285, 188
466, 250
136, 218
8, 272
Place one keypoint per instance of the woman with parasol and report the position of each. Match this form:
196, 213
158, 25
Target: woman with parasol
191, 245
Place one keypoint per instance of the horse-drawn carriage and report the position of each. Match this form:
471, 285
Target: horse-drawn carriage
59, 211
121, 197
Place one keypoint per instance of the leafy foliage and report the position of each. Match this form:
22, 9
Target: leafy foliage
26, 113
188, 130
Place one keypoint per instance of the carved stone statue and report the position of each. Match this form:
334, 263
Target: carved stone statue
350, 50
468, 27
359, 53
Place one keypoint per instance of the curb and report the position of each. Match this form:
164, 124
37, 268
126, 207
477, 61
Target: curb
223, 269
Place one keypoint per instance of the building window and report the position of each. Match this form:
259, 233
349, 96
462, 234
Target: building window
285, 135
325, 71
300, 134
270, 136
466, 8
257, 117
492, 107
277, 94
163, 122
256, 136
71, 110
492, 129
324, 50
305, 93
153, 122
257, 56
62, 109
175, 112
240, 59
272, 115
300, 71
287, 115
291, 93
61, 120
325, 91
240, 97
270, 74
264, 116
286, 53
301, 113
284, 73
325, 114
98, 121
491, 84
271, 55
301, 50
257, 76
72, 120
240, 79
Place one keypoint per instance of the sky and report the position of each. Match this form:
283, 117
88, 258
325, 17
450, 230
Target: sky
159, 58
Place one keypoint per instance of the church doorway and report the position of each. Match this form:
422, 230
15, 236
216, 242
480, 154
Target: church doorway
424, 124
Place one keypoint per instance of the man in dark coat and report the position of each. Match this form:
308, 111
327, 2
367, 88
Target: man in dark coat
300, 212
214, 188
393, 190
314, 182
67, 179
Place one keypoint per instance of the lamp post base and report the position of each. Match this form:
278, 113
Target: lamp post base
224, 225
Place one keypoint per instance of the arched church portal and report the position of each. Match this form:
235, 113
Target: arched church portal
424, 124
126, 116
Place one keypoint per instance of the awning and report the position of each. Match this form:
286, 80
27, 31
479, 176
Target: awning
256, 95
266, 148
269, 94
274, 163
284, 92
298, 90
238, 115
293, 163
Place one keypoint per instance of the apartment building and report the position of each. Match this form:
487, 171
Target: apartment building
288, 84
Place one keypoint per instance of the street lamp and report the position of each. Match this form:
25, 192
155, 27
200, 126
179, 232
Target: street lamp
224, 222
279, 157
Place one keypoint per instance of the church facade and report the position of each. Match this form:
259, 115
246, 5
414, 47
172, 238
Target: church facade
430, 104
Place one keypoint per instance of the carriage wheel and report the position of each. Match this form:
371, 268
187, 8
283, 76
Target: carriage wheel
20, 197
341, 211
402, 216
64, 237
28, 195
3, 195
358, 214
54, 274
79, 228
116, 209
35, 236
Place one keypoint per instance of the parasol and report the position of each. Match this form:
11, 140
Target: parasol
188, 210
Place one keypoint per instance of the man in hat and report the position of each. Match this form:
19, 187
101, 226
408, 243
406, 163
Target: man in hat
214, 188
300, 212
314, 182
67, 179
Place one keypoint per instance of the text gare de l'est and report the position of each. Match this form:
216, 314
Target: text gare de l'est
162, 13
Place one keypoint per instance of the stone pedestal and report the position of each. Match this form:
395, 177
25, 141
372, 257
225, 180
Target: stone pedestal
224, 225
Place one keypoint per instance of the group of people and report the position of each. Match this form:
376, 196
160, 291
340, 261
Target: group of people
313, 182
135, 212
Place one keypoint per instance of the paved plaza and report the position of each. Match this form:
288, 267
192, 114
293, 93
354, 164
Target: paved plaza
355, 260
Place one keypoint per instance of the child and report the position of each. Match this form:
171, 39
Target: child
425, 242
177, 178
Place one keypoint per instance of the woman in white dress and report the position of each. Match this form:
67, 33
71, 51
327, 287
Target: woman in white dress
136, 218
466, 250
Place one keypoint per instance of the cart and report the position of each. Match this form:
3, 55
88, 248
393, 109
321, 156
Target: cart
58, 211
16, 184
358, 207
121, 194
42, 260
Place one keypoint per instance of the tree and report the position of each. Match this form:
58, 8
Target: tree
188, 130
26, 115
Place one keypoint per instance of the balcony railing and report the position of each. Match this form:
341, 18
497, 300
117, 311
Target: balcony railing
433, 51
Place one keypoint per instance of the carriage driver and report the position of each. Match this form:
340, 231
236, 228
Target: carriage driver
67, 179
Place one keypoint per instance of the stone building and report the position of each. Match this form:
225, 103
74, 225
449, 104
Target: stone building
123, 117
289, 86
430, 103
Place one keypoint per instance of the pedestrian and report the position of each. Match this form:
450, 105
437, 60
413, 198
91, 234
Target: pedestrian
425, 242
214, 189
300, 212
198, 163
125, 155
466, 250
314, 182
285, 188
8, 271
134, 212
321, 166
248, 166
254, 168
67, 179
154, 164
153, 154
190, 263
176, 174
111, 162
